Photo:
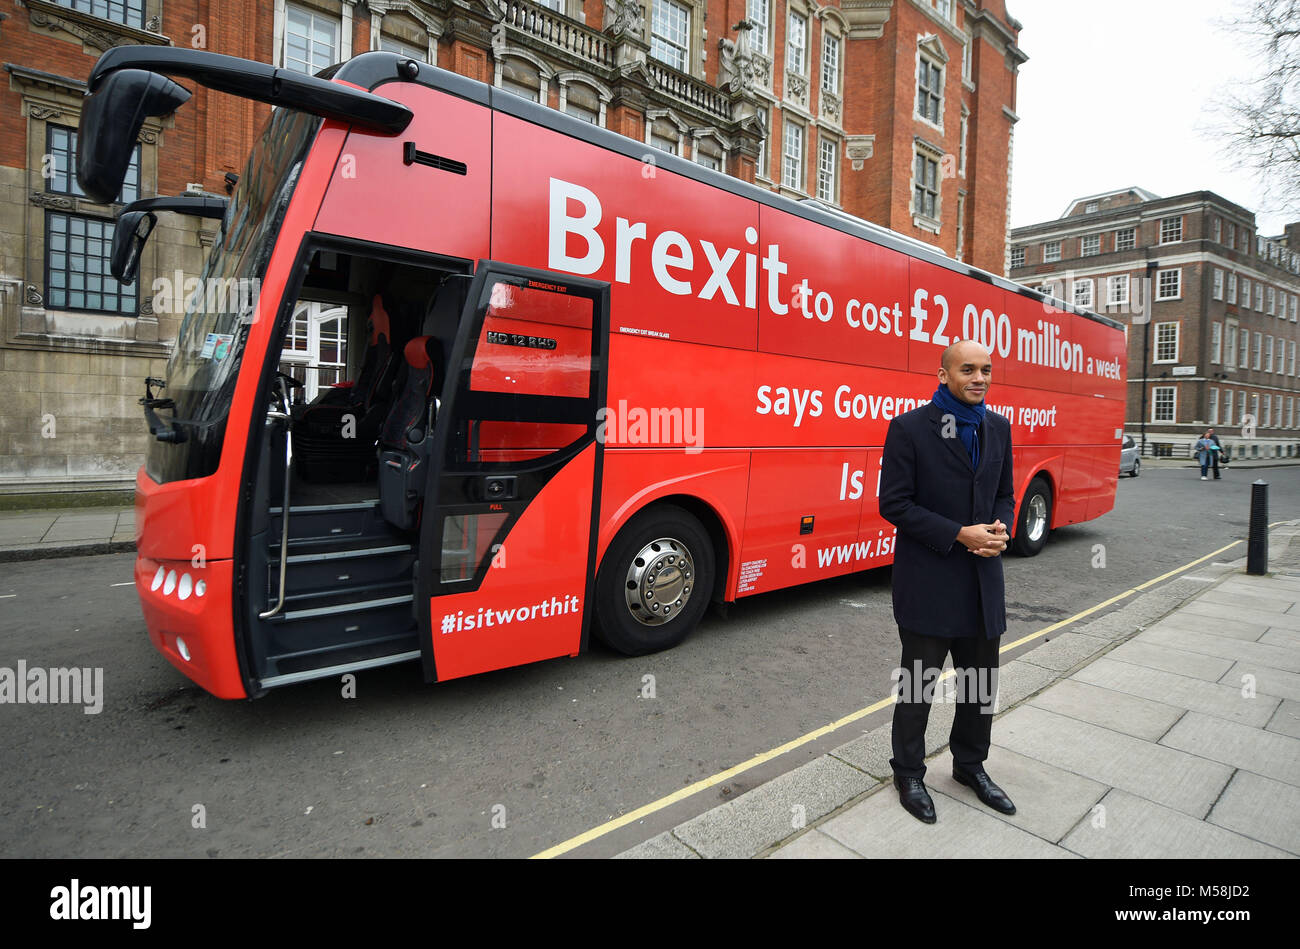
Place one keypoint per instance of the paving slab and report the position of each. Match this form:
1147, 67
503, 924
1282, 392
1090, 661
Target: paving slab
1273, 657
815, 845
1049, 801
1235, 595
1136, 828
1289, 638
71, 527
871, 752
1241, 614
1210, 625
1262, 809
1131, 714
1286, 720
775, 810
1168, 775
1195, 665
1283, 685
660, 847
1184, 692
1241, 746
879, 827
1017, 680
1065, 651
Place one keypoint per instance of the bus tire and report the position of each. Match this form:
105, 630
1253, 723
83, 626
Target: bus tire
1035, 518
660, 563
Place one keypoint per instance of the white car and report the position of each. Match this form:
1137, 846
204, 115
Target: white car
1129, 462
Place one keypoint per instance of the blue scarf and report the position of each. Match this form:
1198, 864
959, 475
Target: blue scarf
969, 418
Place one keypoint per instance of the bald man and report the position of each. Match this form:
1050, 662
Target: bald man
946, 485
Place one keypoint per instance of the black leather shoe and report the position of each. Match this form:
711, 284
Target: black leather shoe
915, 798
984, 788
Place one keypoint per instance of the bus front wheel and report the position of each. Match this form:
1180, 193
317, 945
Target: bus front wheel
655, 581
1035, 517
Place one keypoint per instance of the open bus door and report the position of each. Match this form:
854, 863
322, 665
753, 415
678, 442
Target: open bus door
509, 525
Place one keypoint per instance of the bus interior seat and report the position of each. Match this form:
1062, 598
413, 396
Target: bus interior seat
325, 448
406, 440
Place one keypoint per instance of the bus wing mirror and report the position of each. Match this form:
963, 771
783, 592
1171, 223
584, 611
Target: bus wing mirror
111, 118
133, 229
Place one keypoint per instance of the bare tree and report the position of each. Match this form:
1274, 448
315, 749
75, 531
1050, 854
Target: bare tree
1263, 113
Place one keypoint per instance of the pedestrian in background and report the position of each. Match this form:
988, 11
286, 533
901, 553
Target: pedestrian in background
1207, 452
946, 485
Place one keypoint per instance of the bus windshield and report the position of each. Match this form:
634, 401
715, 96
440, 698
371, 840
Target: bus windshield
209, 347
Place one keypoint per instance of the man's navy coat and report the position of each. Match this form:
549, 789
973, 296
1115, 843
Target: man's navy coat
929, 491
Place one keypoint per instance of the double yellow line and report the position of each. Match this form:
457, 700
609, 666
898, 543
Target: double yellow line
705, 783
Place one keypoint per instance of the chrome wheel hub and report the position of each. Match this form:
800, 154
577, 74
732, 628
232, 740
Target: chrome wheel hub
660, 580
1036, 520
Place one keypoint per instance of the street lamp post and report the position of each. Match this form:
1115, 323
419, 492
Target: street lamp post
1147, 306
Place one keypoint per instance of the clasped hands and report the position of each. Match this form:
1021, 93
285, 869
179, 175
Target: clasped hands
984, 540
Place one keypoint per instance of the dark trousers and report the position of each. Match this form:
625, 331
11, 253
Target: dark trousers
1212, 458
975, 660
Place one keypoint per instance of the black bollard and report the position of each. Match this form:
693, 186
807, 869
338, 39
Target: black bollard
1257, 540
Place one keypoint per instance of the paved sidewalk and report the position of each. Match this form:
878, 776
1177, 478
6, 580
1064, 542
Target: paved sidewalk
69, 532
1167, 728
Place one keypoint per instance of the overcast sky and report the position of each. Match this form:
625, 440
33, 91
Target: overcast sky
1117, 93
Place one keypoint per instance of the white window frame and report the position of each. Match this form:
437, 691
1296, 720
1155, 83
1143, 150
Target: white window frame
670, 44
961, 143
1216, 228
1230, 342
1268, 411
1128, 240
919, 216
1171, 229
1217, 283
791, 160
796, 40
760, 35
1216, 342
1172, 393
1290, 357
1213, 411
1161, 329
1243, 349
313, 16
1294, 303
1254, 406
828, 168
832, 46
1257, 351
922, 56
1227, 406
1163, 286
1093, 240
1270, 300
1259, 297
1083, 293
1245, 293
1268, 353
1051, 251
1117, 290
1232, 287
1017, 257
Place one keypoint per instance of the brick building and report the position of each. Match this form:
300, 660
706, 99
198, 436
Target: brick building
1220, 344
899, 111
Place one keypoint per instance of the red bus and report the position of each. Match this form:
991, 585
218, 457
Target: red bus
591, 387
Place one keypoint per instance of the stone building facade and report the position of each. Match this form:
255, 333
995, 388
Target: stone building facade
899, 111
1219, 347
